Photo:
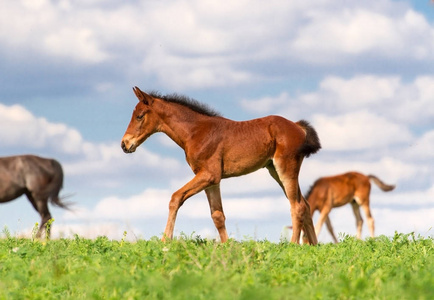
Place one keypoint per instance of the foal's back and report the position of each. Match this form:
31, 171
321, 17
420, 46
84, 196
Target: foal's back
246, 146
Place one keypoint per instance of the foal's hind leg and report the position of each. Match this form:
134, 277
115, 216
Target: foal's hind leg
41, 206
217, 214
272, 170
308, 228
286, 174
359, 220
370, 219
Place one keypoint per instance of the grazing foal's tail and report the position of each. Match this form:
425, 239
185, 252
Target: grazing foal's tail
384, 187
311, 144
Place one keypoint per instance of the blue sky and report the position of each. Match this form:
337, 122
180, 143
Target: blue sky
361, 72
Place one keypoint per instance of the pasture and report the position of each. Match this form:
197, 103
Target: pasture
398, 267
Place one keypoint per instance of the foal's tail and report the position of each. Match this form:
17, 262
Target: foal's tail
311, 144
56, 184
384, 187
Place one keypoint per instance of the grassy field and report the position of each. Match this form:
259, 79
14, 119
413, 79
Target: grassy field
399, 267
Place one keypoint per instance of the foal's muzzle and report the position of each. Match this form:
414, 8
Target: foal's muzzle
127, 149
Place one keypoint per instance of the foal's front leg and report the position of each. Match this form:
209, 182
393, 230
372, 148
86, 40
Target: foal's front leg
324, 214
217, 214
201, 181
330, 228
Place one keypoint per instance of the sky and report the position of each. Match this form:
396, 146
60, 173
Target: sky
360, 71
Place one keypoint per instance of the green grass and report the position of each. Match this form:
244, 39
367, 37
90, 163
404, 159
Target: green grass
400, 267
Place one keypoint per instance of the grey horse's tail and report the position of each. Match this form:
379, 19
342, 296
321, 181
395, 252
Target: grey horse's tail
56, 184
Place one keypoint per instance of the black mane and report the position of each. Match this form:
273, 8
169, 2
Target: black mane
187, 102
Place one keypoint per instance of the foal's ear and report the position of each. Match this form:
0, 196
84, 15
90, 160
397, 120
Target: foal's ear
142, 96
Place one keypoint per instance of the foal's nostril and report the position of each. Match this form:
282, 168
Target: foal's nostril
124, 147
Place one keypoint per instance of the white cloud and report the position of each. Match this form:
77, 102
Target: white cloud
415, 104
265, 104
359, 130
362, 112
109, 158
422, 148
21, 128
385, 95
390, 170
332, 37
389, 209
183, 72
253, 183
90, 230
408, 200
74, 43
359, 92
153, 203
387, 222
49, 28
106, 164
197, 44
418, 220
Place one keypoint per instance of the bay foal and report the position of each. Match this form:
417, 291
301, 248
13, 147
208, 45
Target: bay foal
217, 148
334, 191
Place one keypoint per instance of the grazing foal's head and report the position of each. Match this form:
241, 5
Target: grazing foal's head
143, 123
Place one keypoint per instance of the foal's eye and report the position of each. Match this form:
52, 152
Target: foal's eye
140, 117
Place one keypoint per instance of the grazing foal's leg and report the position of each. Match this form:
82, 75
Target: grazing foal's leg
369, 218
217, 214
330, 228
324, 214
200, 182
359, 220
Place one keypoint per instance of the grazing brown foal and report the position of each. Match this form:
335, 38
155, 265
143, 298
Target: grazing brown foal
217, 148
334, 191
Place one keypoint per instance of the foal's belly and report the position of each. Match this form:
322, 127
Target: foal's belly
243, 164
342, 200
246, 148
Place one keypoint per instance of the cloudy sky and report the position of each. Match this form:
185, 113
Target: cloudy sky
360, 71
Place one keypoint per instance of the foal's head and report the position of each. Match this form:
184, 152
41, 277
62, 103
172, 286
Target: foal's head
143, 123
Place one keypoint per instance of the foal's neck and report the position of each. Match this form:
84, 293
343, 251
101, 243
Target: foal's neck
178, 122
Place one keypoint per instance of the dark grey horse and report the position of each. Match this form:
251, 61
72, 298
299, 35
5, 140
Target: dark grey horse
40, 179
